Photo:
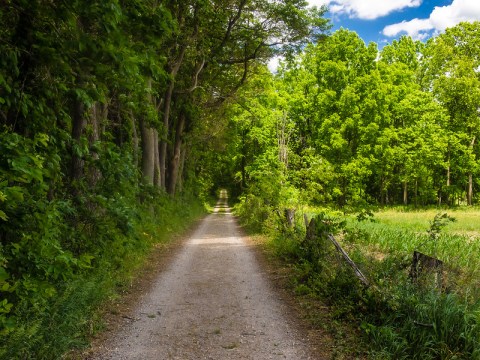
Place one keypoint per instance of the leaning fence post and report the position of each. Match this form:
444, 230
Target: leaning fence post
349, 261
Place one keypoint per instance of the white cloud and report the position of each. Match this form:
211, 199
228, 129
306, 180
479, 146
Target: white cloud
365, 9
416, 28
440, 18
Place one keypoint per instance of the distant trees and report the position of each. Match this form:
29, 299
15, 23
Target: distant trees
395, 127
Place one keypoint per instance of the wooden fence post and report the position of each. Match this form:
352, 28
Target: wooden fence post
424, 264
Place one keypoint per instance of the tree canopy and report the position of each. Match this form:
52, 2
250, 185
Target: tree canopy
368, 127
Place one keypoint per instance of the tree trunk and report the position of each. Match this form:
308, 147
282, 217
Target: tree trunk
157, 179
166, 127
282, 141
134, 139
382, 182
148, 154
243, 161
167, 104
148, 145
183, 155
97, 114
447, 194
175, 161
79, 122
470, 189
470, 180
405, 192
416, 193
290, 217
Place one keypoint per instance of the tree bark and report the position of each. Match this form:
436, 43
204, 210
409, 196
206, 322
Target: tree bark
79, 122
382, 202
470, 190
134, 139
97, 113
470, 180
175, 161
416, 193
157, 179
183, 155
167, 104
148, 154
243, 162
405, 192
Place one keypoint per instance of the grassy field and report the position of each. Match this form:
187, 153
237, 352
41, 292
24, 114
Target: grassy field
398, 233
467, 220
384, 247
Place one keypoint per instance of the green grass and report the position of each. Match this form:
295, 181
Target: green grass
400, 233
467, 220
400, 320
420, 322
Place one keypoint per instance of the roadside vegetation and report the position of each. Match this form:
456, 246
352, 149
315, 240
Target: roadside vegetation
380, 148
60, 311
399, 318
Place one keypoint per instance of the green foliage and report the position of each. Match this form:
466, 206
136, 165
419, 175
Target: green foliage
90, 93
407, 321
55, 314
441, 220
358, 131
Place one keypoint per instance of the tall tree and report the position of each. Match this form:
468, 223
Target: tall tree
451, 68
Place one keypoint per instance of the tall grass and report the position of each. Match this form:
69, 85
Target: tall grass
400, 235
400, 319
467, 219
420, 322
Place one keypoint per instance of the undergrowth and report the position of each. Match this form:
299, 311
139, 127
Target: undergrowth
399, 318
45, 327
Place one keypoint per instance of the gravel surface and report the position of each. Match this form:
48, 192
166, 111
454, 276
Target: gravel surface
212, 302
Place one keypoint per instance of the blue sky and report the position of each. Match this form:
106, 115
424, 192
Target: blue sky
382, 21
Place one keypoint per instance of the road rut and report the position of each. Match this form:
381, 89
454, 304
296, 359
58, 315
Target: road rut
213, 302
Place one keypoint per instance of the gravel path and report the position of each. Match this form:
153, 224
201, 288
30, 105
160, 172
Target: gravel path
213, 302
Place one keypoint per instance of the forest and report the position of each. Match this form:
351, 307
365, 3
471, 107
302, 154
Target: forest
120, 119
347, 125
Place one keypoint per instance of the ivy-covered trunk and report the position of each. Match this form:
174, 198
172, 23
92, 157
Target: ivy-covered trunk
79, 122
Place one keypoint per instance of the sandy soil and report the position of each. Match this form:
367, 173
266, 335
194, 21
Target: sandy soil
213, 301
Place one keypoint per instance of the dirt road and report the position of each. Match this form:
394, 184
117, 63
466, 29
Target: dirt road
213, 302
